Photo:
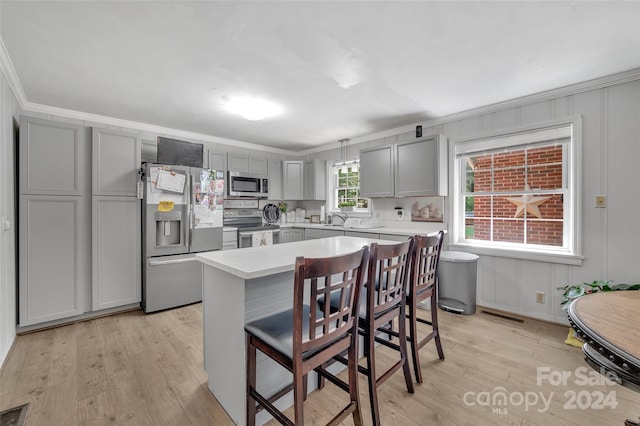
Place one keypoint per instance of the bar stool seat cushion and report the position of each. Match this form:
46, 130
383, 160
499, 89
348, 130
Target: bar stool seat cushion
277, 330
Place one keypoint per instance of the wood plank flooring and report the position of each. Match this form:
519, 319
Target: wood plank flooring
137, 369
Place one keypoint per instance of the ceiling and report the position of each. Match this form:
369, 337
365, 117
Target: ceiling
338, 69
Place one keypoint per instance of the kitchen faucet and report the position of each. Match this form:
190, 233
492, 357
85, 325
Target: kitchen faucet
344, 217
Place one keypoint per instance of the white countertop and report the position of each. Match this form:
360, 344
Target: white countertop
255, 262
424, 228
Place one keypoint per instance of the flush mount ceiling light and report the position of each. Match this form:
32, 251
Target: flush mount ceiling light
253, 109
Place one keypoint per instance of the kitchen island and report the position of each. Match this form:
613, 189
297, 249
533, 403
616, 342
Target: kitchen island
247, 284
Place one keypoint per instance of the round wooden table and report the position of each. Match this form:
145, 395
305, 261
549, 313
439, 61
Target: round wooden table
609, 323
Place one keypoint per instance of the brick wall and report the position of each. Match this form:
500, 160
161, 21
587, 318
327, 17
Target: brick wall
540, 168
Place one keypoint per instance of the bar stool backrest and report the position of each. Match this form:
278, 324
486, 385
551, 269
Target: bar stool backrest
425, 264
387, 276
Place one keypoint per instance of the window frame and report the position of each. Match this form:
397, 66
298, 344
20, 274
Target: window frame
332, 188
572, 173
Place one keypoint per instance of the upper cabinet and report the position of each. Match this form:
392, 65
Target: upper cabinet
275, 180
244, 163
376, 172
217, 160
304, 180
52, 158
421, 167
293, 180
414, 168
116, 160
315, 180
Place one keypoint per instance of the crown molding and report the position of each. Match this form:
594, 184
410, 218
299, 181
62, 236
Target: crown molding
10, 74
14, 82
594, 84
144, 127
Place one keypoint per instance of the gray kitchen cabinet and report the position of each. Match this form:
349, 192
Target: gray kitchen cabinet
293, 180
412, 168
229, 239
315, 180
245, 163
313, 233
258, 165
275, 180
217, 161
421, 167
52, 158
289, 235
116, 252
376, 172
361, 234
52, 263
116, 161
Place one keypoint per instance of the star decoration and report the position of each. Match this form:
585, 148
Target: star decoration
528, 203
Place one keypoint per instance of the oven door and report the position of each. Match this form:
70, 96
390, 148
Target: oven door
245, 238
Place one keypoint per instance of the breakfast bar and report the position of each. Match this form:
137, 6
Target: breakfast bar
244, 285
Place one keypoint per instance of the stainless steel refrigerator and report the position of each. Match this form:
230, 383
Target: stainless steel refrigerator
182, 215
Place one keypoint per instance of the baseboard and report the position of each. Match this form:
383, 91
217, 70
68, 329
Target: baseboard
514, 317
67, 321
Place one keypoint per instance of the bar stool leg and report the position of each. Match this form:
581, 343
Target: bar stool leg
434, 322
413, 332
251, 382
402, 329
369, 337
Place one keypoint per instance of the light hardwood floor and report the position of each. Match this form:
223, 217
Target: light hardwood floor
141, 369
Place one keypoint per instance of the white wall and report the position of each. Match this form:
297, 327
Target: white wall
8, 106
611, 166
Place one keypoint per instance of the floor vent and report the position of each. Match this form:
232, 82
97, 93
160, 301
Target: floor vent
520, 320
14, 416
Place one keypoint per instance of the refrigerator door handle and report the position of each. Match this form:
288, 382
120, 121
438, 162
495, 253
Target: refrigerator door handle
189, 224
171, 262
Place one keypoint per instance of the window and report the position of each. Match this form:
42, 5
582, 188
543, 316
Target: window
519, 191
345, 178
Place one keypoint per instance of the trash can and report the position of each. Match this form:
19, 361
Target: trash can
457, 272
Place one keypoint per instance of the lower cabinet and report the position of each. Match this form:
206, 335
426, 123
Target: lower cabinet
289, 235
312, 233
53, 245
229, 239
116, 254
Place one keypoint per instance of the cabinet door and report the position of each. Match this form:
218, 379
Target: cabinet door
116, 161
286, 235
217, 161
297, 234
116, 262
258, 165
376, 172
361, 234
51, 258
275, 180
52, 158
293, 178
418, 167
238, 163
315, 180
312, 233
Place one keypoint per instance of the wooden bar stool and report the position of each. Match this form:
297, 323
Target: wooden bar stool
423, 284
304, 338
383, 301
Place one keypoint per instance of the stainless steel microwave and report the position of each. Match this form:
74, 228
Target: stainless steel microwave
251, 185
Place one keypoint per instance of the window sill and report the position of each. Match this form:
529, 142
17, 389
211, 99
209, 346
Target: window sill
537, 256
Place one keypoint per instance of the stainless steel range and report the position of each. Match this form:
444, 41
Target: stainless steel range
247, 217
